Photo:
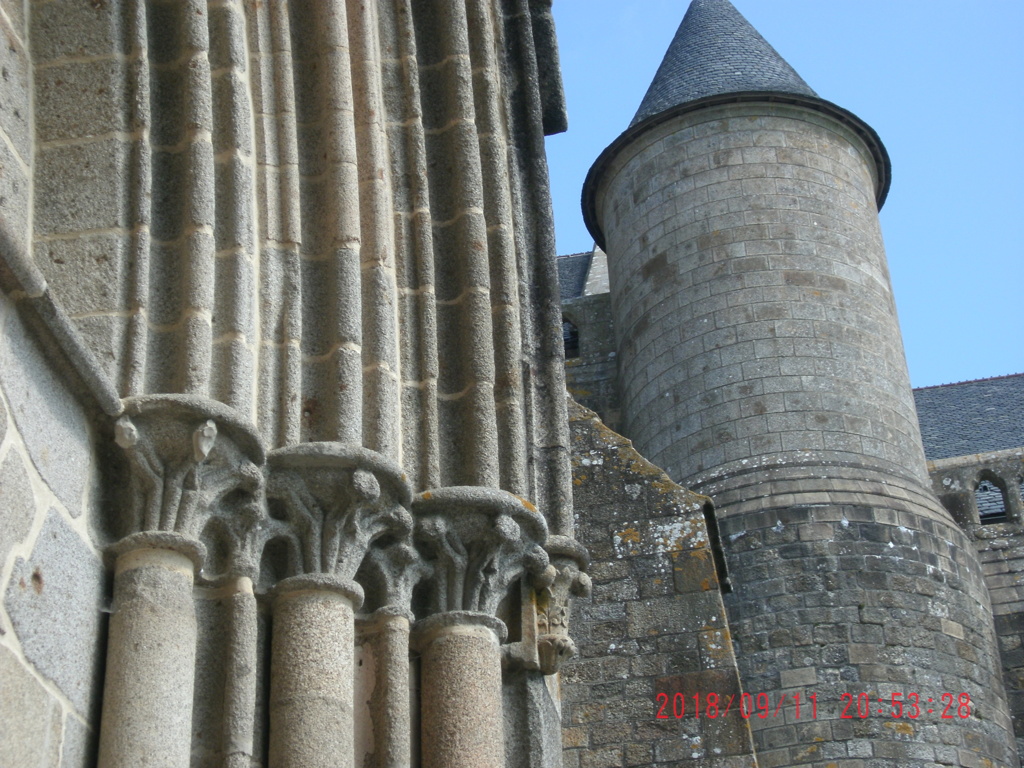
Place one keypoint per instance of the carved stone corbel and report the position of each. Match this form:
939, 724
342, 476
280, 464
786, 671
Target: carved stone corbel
570, 561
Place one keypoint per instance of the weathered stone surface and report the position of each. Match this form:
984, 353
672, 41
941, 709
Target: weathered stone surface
3, 406
55, 601
15, 104
65, 29
78, 749
96, 85
655, 623
64, 171
17, 505
753, 311
52, 424
31, 731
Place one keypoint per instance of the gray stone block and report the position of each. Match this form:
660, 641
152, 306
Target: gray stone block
79, 746
95, 89
55, 601
17, 505
14, 197
52, 424
88, 273
15, 105
81, 187
31, 732
66, 28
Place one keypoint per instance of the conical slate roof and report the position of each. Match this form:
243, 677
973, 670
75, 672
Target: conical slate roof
716, 51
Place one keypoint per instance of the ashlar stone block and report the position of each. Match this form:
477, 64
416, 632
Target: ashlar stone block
55, 602
17, 506
54, 427
30, 732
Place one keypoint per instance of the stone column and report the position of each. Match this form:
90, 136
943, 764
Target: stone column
461, 707
338, 500
151, 653
481, 543
389, 574
190, 460
311, 703
240, 684
386, 634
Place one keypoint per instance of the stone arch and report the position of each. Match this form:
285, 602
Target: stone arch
990, 496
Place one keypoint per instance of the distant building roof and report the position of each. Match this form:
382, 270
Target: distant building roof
716, 51
572, 274
972, 416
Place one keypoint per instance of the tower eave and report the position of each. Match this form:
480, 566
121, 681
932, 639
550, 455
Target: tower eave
883, 165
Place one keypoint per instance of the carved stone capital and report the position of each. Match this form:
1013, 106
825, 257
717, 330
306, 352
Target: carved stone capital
337, 500
389, 574
194, 470
478, 542
554, 646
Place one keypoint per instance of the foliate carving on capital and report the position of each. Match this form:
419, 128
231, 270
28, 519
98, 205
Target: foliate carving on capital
554, 646
336, 501
194, 470
479, 541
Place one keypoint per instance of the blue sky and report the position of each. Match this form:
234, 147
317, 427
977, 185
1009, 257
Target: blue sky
941, 82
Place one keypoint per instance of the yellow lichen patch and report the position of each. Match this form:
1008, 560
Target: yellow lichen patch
579, 480
902, 727
526, 503
629, 536
427, 495
810, 751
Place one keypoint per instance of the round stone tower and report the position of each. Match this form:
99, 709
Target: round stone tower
761, 363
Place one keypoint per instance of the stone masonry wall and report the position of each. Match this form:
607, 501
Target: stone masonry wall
1000, 548
51, 575
655, 623
592, 377
751, 296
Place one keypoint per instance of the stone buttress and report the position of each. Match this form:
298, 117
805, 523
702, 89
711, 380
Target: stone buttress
761, 364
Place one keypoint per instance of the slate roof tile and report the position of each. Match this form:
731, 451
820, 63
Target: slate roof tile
716, 51
972, 416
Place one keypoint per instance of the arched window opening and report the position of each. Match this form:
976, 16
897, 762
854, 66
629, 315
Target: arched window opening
571, 339
991, 502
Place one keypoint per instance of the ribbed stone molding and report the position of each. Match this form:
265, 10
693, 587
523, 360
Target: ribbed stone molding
151, 653
460, 676
311, 692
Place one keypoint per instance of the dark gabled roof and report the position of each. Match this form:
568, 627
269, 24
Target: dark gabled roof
572, 274
716, 51
972, 416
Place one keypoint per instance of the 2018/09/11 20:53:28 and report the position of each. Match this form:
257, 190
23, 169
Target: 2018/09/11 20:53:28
852, 706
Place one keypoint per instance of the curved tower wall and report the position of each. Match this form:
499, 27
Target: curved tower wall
751, 291
761, 364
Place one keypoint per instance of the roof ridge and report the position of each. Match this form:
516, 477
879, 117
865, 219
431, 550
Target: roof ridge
969, 381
